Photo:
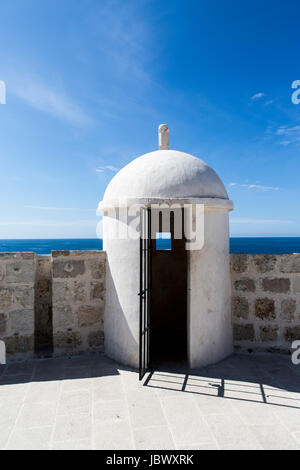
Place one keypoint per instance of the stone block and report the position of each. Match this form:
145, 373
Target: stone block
19, 344
97, 290
96, 339
97, 268
79, 293
290, 263
73, 253
292, 333
67, 269
246, 285
17, 256
89, 315
279, 285
20, 271
264, 263
57, 254
60, 292
2, 273
240, 307
68, 340
3, 323
63, 318
296, 284
243, 332
239, 262
6, 297
27, 255
265, 309
288, 309
24, 295
22, 321
5, 256
268, 333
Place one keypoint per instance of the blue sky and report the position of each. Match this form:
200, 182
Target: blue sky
89, 81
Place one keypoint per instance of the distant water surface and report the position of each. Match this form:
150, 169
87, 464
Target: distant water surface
45, 246
261, 245
272, 245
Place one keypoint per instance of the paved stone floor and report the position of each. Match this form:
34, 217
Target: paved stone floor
89, 402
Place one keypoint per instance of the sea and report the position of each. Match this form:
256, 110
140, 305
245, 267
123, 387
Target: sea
251, 245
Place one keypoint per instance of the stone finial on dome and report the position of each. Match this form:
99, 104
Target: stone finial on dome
163, 137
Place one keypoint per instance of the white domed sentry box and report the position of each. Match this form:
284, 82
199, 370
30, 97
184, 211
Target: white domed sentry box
166, 236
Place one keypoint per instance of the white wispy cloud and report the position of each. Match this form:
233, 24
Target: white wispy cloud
285, 142
257, 96
254, 186
102, 169
46, 98
290, 135
289, 130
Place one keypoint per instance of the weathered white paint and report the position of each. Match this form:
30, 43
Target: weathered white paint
209, 294
121, 316
165, 174
169, 176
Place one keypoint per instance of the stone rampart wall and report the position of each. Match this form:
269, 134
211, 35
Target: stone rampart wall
17, 280
55, 304
265, 301
52, 304
78, 291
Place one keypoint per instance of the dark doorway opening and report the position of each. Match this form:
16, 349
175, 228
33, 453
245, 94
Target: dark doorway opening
168, 334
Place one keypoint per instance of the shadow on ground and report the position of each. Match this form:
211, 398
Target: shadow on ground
261, 378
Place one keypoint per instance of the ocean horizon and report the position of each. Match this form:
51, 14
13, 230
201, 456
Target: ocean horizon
250, 245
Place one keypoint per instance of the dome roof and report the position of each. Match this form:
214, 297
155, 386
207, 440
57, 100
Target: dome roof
165, 174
